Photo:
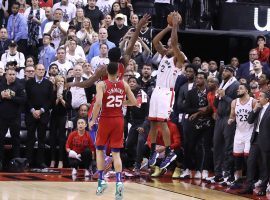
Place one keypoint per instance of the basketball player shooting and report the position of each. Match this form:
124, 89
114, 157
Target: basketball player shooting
111, 94
163, 95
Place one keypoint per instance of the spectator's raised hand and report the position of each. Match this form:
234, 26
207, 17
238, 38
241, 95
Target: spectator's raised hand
144, 20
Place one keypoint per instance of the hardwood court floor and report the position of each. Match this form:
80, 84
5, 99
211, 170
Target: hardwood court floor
86, 190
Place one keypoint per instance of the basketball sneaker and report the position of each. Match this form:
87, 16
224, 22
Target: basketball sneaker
119, 191
215, 179
198, 175
176, 173
168, 160
153, 159
102, 185
205, 174
186, 174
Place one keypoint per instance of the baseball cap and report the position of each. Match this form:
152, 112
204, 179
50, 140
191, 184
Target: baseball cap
230, 68
12, 44
119, 16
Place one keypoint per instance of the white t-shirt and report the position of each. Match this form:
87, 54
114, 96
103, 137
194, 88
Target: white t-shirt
79, 3
56, 33
96, 61
105, 6
63, 67
69, 11
42, 17
19, 57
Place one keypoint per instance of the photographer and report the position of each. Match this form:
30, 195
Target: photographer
11, 99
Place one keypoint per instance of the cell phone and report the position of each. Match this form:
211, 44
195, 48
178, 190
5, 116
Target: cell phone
221, 63
55, 21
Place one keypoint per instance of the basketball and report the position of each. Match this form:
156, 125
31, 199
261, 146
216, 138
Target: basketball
170, 18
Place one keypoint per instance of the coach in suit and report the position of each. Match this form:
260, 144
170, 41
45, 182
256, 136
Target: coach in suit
260, 148
39, 93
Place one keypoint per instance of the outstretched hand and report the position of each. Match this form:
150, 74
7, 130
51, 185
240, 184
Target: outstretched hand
144, 20
101, 71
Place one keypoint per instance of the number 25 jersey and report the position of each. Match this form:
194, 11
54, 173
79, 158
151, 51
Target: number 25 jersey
113, 98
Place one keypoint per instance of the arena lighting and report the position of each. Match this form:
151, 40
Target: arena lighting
256, 20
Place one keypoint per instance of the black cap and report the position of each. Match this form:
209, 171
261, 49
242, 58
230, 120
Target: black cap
229, 68
12, 44
72, 27
261, 36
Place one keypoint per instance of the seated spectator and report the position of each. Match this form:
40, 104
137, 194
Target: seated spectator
82, 113
49, 17
127, 75
102, 58
105, 6
80, 148
263, 51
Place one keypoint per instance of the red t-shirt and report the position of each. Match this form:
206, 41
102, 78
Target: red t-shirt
48, 3
263, 54
174, 133
79, 143
211, 98
113, 98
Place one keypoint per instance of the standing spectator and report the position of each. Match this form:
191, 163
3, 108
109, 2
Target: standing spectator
224, 133
263, 51
163, 9
63, 64
87, 70
49, 18
102, 58
59, 117
127, 9
39, 100
82, 113
73, 56
56, 28
78, 3
85, 35
4, 12
92, 12
80, 148
4, 41
213, 72
69, 10
53, 70
116, 9
35, 16
46, 3
17, 27
137, 117
95, 47
80, 95
146, 81
47, 54
105, 6
12, 99
108, 21
78, 20
118, 30
134, 20
146, 34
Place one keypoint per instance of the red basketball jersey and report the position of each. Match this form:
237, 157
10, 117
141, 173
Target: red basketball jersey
113, 98
121, 71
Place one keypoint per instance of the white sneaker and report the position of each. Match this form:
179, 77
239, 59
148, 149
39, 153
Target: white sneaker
198, 175
258, 183
205, 174
86, 173
186, 174
268, 188
74, 171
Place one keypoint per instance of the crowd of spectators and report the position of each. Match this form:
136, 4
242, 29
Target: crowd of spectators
44, 49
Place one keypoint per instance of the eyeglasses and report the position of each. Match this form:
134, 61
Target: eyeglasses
31, 71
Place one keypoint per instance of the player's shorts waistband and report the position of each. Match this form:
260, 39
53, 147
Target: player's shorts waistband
164, 88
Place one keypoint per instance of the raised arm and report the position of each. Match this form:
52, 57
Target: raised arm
177, 20
157, 40
144, 20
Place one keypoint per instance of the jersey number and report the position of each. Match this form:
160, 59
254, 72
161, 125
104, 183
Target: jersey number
243, 118
114, 101
162, 68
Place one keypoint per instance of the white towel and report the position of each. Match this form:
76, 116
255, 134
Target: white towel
224, 85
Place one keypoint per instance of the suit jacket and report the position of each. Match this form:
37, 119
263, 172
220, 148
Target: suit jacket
264, 134
89, 92
244, 72
4, 47
181, 97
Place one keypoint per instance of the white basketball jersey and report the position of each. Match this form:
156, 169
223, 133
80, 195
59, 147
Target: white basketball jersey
167, 73
242, 112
